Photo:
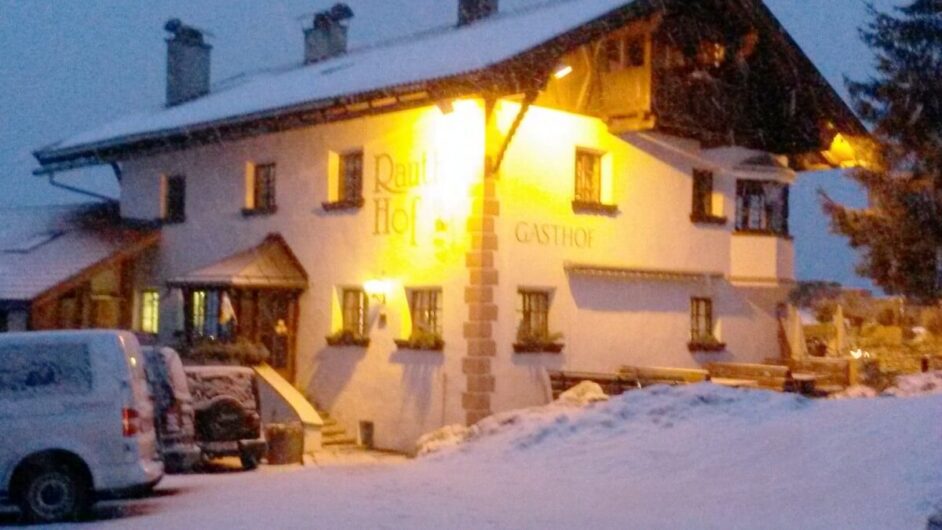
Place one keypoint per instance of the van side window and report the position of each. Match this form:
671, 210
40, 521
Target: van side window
29, 371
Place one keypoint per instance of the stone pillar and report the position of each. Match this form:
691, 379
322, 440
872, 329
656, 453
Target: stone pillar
479, 295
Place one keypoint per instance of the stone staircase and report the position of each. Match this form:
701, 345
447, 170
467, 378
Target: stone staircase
334, 435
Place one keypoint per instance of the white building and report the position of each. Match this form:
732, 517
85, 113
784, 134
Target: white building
418, 230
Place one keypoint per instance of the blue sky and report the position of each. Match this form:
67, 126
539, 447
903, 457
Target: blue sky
69, 65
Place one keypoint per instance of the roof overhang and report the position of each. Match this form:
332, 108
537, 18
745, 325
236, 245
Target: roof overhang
270, 265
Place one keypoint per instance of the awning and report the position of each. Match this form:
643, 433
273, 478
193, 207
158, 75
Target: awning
633, 273
270, 265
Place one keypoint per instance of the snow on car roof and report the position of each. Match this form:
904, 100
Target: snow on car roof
428, 56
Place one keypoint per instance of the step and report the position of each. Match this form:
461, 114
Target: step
338, 441
330, 430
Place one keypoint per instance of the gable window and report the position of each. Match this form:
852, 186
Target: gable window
762, 207
150, 311
175, 199
260, 192
346, 175
702, 335
425, 308
703, 210
590, 183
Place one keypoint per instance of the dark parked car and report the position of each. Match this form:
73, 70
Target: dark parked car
174, 416
227, 412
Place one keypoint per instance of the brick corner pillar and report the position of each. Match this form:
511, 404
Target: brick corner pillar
482, 282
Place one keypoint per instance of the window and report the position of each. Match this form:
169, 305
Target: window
150, 310
261, 199
35, 370
351, 177
175, 200
355, 309
701, 320
4, 321
703, 210
623, 53
346, 181
762, 207
425, 306
205, 313
534, 315
588, 176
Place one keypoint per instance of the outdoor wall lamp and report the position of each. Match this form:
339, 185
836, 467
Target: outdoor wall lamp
378, 290
562, 70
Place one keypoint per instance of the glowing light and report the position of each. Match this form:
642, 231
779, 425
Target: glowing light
378, 289
562, 71
841, 153
859, 354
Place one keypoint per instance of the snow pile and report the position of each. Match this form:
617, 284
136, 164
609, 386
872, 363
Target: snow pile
855, 392
582, 394
451, 436
916, 385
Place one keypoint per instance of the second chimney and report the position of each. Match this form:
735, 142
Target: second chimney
472, 10
328, 37
187, 63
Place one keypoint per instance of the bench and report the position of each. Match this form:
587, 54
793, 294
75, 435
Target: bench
768, 376
655, 375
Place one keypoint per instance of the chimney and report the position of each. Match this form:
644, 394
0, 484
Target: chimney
187, 63
328, 37
472, 10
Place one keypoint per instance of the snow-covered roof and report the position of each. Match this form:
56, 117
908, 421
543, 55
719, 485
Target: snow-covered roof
43, 247
269, 265
433, 55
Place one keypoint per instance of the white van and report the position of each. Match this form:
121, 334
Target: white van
76, 421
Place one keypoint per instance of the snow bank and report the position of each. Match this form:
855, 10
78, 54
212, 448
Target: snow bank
928, 383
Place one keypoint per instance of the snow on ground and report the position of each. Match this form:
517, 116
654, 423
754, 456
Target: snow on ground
691, 457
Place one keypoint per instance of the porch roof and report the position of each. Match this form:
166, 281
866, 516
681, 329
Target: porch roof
269, 265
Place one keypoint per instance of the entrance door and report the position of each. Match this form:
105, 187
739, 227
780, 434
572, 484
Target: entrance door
277, 328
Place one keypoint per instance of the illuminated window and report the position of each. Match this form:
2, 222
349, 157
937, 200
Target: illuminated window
762, 207
175, 199
534, 314
351, 177
198, 313
425, 305
701, 321
150, 310
588, 176
262, 188
355, 308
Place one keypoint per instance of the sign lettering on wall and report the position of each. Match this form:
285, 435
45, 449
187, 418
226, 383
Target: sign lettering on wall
553, 235
395, 200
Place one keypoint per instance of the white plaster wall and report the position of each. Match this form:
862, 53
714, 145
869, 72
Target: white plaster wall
405, 393
608, 322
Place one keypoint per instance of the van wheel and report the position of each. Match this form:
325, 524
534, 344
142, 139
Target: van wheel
249, 460
53, 493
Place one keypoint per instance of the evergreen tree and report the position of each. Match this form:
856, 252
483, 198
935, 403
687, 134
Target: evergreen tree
900, 233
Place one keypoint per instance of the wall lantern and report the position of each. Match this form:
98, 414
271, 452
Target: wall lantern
378, 289
562, 70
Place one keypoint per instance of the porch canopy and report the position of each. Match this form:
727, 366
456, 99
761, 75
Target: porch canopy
269, 266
